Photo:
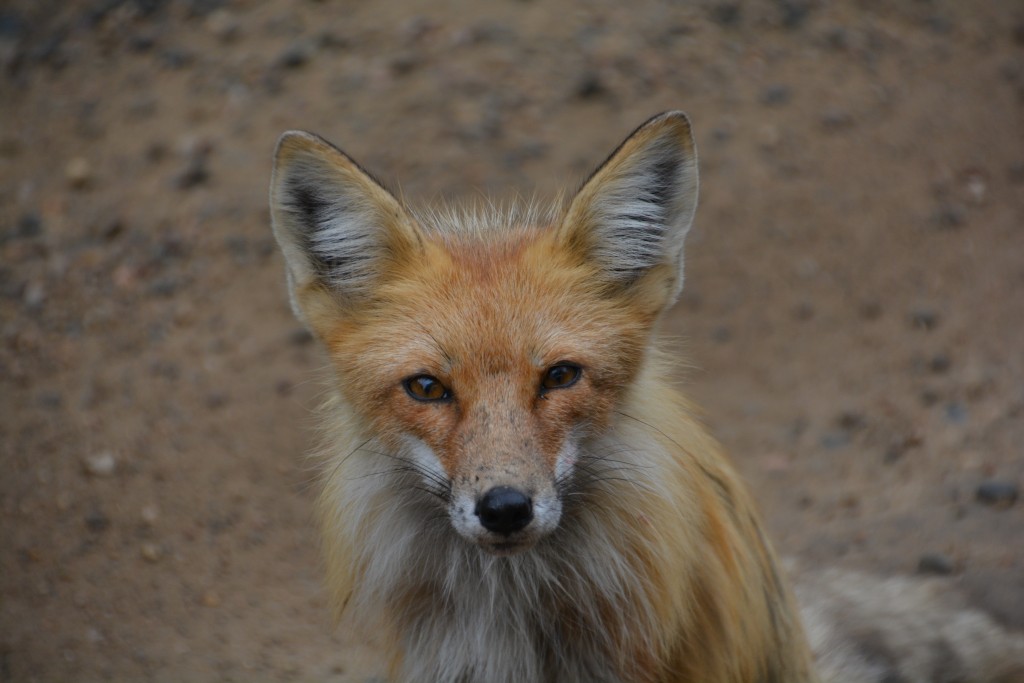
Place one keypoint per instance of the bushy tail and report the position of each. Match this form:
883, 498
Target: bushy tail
866, 629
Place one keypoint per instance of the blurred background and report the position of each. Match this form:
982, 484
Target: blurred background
853, 322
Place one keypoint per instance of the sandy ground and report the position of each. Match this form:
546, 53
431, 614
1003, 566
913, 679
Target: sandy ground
853, 319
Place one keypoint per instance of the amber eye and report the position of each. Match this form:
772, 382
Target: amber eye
561, 376
426, 388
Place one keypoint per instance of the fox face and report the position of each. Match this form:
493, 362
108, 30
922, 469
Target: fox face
482, 354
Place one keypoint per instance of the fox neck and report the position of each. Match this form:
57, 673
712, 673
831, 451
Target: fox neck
659, 570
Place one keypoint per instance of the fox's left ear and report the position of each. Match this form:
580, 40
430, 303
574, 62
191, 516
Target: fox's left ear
629, 219
340, 231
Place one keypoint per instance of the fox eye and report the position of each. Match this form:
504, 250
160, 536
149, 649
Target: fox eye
426, 388
561, 376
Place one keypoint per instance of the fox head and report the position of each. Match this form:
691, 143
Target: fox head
483, 354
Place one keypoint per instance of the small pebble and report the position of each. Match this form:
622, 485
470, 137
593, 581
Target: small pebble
163, 287
97, 521
29, 225
836, 119
851, 420
721, 134
415, 28
150, 552
940, 364
997, 493
142, 107
956, 412
78, 172
405, 63
793, 12
34, 295
590, 86
216, 399
950, 216
898, 448
893, 453
50, 400
776, 95
294, 56
193, 174
222, 24
176, 58
142, 42
150, 513
935, 563
209, 599
837, 38
924, 319
101, 464
769, 136
850, 501
726, 13
976, 187
834, 440
870, 310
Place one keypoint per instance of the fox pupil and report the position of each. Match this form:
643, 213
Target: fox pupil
561, 376
426, 388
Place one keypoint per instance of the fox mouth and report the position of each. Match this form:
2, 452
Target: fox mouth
506, 548
506, 545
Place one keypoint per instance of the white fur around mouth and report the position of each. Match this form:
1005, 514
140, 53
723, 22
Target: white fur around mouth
507, 548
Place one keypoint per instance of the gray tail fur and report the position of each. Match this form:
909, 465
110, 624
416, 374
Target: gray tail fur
866, 629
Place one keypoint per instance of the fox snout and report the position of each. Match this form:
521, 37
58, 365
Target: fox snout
505, 509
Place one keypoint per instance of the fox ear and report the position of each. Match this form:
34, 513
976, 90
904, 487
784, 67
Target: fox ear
338, 228
629, 219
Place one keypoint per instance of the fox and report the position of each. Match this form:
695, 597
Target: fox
514, 488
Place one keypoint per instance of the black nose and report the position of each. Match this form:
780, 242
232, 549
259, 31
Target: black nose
504, 510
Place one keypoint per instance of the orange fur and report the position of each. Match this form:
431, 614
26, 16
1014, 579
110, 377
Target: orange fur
644, 560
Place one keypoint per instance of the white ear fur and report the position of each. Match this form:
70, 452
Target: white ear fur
635, 210
336, 226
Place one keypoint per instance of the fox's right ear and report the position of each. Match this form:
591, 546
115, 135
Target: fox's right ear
630, 218
338, 228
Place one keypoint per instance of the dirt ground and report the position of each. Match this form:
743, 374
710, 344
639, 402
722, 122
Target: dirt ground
853, 319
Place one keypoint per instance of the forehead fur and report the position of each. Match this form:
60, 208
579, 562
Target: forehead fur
494, 285
487, 219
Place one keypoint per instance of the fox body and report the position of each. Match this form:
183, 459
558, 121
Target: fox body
513, 490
